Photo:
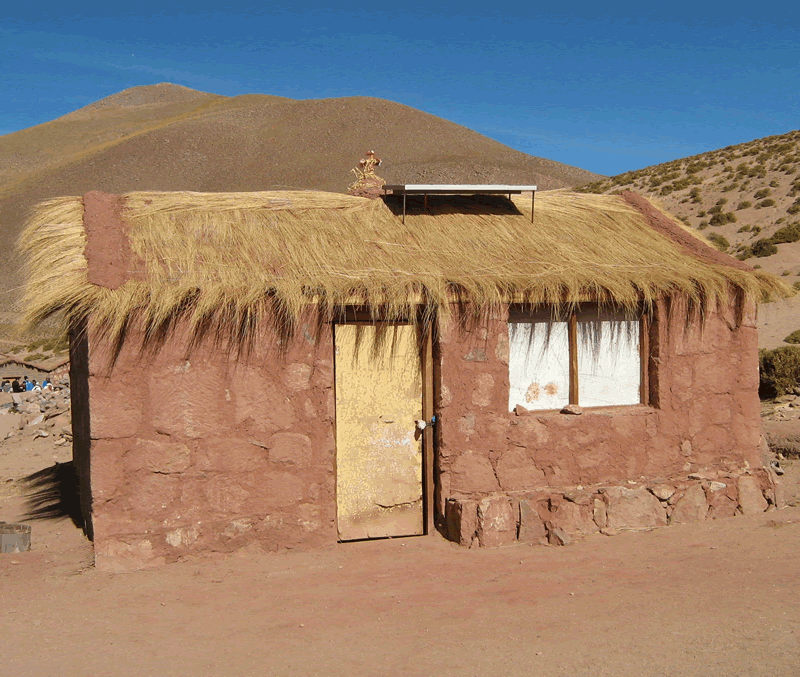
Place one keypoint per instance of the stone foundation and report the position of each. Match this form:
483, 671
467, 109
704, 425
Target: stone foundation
557, 517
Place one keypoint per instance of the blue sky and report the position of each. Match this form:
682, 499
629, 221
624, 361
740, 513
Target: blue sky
608, 87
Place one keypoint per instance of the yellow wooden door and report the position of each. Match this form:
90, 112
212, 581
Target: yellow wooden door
378, 454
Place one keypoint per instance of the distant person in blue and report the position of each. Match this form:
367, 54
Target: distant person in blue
26, 383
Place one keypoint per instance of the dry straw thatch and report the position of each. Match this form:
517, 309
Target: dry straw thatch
226, 263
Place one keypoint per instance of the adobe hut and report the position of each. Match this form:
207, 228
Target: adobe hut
54, 366
264, 369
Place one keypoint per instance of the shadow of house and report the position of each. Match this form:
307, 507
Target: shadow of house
52, 493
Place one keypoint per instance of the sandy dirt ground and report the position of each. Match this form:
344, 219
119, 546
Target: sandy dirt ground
718, 598
776, 321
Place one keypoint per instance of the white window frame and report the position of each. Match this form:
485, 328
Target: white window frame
565, 328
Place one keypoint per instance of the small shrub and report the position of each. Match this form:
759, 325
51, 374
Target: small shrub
764, 247
746, 253
773, 183
701, 213
796, 285
779, 371
786, 273
744, 204
702, 225
719, 241
720, 219
761, 194
694, 167
790, 233
755, 230
744, 229
769, 202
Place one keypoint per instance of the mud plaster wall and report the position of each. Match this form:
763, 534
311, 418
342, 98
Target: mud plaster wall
704, 385
210, 452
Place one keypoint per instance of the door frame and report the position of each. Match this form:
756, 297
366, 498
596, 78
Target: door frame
425, 341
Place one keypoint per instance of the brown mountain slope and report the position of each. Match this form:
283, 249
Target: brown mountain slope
746, 200
94, 127
166, 137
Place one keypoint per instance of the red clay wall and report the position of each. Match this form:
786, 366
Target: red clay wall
210, 452
705, 429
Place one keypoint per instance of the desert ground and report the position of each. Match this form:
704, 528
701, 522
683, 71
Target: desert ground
716, 598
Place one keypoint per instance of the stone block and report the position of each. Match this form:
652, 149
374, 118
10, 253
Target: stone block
264, 403
531, 526
557, 536
162, 457
290, 449
502, 348
573, 518
38, 419
187, 400
497, 522
472, 472
692, 507
151, 493
578, 496
107, 474
462, 520
182, 537
515, 470
751, 499
628, 508
298, 377
284, 489
662, 492
599, 513
116, 411
482, 393
226, 494
227, 454
721, 503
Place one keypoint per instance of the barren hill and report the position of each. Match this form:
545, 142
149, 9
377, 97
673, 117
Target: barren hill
746, 200
167, 137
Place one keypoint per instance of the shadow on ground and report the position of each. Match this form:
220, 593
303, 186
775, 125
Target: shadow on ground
53, 493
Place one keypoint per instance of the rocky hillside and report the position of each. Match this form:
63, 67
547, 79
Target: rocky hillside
745, 199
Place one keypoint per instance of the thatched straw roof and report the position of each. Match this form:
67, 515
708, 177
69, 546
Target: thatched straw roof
226, 261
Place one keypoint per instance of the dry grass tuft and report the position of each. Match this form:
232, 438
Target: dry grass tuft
227, 263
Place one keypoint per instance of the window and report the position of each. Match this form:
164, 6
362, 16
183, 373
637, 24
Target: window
592, 358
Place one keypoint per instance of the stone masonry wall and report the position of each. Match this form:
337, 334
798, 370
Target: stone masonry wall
691, 453
209, 451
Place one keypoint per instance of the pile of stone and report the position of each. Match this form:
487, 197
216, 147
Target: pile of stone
783, 408
556, 518
781, 420
41, 414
